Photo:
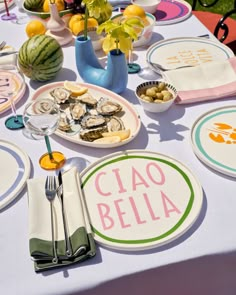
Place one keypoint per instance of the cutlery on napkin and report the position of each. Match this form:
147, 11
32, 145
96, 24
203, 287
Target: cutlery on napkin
205, 82
8, 58
78, 226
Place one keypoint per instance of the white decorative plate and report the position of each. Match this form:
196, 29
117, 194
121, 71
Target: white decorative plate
214, 139
175, 52
4, 86
129, 115
172, 11
140, 199
15, 167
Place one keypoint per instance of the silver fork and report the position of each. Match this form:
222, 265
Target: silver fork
51, 191
2, 45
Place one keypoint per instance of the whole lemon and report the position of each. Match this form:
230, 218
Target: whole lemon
78, 26
59, 3
35, 27
76, 17
134, 10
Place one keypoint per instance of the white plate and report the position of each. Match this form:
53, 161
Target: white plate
129, 116
172, 11
4, 101
213, 138
9, 4
140, 199
174, 52
15, 170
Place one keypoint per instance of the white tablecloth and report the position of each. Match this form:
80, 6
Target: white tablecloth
202, 261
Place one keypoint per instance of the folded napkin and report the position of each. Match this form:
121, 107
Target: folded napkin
207, 81
79, 230
9, 59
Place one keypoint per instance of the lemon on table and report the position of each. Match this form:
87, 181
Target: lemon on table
134, 10
75, 88
78, 26
35, 27
75, 18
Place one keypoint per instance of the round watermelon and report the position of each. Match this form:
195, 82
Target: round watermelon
40, 58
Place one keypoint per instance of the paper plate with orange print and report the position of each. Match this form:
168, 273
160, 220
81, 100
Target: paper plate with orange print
214, 139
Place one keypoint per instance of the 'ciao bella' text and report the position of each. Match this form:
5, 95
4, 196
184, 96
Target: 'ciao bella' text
153, 176
190, 58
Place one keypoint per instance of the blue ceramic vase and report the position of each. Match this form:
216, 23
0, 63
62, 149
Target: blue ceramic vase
114, 77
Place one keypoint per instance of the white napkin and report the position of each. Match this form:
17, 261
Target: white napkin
9, 59
40, 235
207, 81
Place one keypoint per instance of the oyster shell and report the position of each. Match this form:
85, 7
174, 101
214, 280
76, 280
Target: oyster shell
115, 124
88, 99
44, 106
77, 110
92, 134
91, 121
64, 123
106, 107
60, 94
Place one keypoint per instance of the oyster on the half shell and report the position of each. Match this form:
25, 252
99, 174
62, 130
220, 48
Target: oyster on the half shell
77, 110
92, 134
88, 99
92, 121
64, 122
106, 107
115, 124
60, 94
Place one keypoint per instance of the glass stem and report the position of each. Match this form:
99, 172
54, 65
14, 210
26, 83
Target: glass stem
13, 107
48, 147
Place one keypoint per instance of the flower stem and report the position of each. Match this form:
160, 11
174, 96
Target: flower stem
86, 23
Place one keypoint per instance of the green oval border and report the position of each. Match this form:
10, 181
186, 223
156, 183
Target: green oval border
174, 228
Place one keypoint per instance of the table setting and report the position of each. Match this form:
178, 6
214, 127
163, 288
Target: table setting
144, 181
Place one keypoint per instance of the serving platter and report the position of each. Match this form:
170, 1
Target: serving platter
176, 52
213, 138
15, 167
5, 77
2, 5
172, 11
128, 114
140, 199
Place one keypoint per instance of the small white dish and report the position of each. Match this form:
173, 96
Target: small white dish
157, 106
149, 6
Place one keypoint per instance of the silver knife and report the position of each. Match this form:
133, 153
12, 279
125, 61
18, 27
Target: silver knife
5, 53
60, 196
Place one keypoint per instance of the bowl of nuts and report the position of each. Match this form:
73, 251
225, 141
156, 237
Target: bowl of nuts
156, 96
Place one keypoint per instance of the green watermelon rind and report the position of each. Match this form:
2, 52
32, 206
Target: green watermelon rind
40, 58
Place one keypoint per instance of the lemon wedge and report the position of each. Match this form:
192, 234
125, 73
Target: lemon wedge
123, 134
75, 88
110, 139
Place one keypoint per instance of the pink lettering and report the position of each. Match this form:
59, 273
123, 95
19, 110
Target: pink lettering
97, 185
135, 177
165, 201
150, 208
160, 172
120, 213
107, 221
122, 189
135, 211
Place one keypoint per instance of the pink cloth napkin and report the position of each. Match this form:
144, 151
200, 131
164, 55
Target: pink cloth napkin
205, 82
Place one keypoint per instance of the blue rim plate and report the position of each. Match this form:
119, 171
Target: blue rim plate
16, 166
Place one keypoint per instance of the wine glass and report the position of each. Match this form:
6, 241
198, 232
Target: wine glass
8, 15
41, 117
12, 85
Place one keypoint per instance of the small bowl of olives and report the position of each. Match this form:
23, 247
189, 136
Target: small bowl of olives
156, 96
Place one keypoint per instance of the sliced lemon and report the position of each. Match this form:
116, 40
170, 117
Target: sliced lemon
75, 88
122, 134
110, 139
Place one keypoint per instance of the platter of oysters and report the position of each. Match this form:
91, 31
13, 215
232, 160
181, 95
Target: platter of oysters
91, 115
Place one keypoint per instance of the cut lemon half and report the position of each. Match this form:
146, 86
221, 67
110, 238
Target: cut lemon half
110, 139
122, 134
75, 88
